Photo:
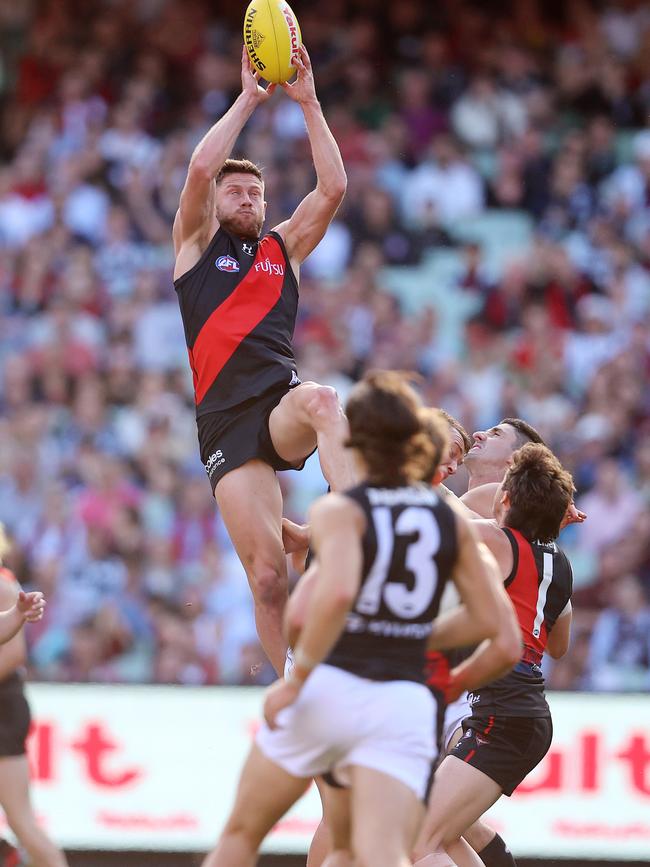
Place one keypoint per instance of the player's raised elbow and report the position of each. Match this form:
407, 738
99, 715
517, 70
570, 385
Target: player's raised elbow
200, 169
334, 188
556, 649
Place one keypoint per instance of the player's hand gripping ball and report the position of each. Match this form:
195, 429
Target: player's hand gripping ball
272, 38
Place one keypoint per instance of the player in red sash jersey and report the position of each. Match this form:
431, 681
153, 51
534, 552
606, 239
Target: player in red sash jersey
238, 294
510, 729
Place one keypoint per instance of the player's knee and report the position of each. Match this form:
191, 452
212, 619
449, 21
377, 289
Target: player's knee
268, 584
323, 406
245, 832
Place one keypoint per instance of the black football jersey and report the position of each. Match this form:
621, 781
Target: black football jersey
409, 551
239, 305
539, 586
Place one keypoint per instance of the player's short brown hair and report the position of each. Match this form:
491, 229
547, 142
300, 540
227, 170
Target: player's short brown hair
453, 422
235, 167
526, 433
540, 491
397, 439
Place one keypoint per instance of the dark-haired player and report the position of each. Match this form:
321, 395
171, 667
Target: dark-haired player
510, 728
354, 705
238, 294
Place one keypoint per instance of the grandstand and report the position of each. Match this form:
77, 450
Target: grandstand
495, 237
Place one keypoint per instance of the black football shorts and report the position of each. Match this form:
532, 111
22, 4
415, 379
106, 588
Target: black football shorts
15, 719
231, 437
506, 749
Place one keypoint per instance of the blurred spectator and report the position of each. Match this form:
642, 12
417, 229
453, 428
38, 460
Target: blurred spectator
619, 655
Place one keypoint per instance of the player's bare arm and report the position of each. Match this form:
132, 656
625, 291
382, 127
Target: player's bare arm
296, 609
560, 635
195, 222
480, 500
337, 526
496, 540
309, 222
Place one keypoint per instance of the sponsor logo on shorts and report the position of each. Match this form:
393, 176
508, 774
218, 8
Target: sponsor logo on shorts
295, 379
215, 460
227, 263
269, 267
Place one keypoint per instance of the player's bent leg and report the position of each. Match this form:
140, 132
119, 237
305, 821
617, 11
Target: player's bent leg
336, 809
489, 846
16, 803
321, 843
250, 502
460, 795
386, 814
308, 416
264, 795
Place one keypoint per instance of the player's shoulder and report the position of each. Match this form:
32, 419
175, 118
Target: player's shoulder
336, 509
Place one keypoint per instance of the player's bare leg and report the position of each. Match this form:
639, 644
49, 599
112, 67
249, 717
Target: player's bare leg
264, 795
250, 502
16, 803
460, 795
336, 807
386, 816
308, 416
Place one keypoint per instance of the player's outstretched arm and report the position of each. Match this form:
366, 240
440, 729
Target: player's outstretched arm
309, 222
196, 212
480, 500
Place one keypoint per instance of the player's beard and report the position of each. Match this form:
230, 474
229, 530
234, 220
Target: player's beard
246, 225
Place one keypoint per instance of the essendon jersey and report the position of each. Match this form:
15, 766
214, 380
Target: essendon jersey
239, 305
539, 586
409, 552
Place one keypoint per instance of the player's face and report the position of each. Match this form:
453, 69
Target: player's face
240, 205
493, 446
454, 457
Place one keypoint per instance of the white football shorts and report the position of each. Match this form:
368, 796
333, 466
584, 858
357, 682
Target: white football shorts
340, 720
455, 713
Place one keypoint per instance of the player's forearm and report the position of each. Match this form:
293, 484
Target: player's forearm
11, 622
216, 145
493, 659
12, 656
455, 628
330, 171
324, 624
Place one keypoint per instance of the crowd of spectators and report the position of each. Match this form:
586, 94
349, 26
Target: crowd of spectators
444, 113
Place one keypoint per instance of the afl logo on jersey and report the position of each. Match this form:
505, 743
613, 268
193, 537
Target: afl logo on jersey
227, 263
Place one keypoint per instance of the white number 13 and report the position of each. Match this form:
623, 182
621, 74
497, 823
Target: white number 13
419, 561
